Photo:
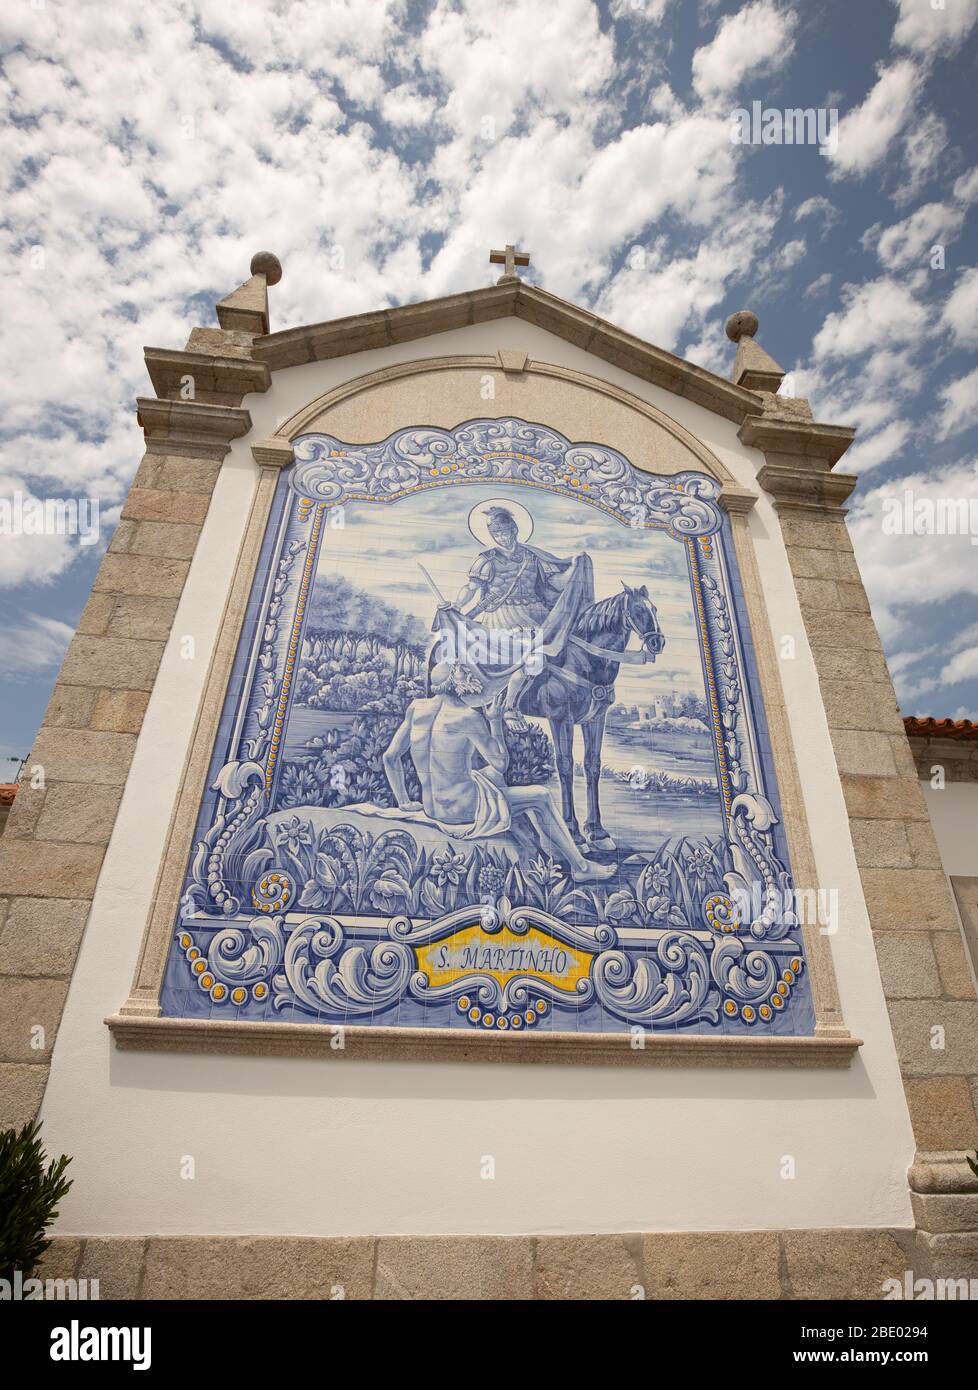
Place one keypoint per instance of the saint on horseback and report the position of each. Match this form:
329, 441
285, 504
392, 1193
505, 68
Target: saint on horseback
528, 621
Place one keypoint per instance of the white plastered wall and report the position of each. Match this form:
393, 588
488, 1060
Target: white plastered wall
323, 1147
954, 814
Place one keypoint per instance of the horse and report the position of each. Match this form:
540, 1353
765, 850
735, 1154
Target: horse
578, 686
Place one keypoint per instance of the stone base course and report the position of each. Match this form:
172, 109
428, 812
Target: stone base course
770, 1265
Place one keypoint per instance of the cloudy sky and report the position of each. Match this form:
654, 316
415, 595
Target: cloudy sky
379, 147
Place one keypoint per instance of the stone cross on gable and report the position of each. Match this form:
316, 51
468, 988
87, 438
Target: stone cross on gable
510, 258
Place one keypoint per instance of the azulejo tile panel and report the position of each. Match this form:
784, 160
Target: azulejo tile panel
493, 755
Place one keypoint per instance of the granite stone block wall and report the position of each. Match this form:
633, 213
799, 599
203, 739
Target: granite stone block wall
59, 825
928, 987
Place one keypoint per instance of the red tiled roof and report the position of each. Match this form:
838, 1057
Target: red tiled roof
940, 728
8, 790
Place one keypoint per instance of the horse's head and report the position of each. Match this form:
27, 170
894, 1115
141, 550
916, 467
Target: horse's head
640, 614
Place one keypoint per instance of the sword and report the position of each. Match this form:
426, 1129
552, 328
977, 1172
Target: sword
442, 601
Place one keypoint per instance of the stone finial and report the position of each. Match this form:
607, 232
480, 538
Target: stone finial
753, 368
246, 309
264, 263
743, 324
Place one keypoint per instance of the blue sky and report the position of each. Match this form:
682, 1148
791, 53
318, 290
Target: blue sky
381, 148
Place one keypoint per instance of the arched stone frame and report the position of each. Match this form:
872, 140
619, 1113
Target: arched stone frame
305, 418
143, 1005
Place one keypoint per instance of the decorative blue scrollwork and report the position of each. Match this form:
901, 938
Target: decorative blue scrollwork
327, 470
668, 984
321, 969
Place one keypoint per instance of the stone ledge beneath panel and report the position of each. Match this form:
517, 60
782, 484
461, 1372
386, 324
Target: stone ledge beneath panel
144, 1034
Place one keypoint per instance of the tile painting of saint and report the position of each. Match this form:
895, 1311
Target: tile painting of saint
518, 589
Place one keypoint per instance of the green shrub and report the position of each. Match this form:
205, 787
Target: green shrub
29, 1198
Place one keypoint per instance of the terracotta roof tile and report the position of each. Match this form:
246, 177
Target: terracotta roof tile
940, 728
8, 790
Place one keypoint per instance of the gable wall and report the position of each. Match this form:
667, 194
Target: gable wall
397, 1148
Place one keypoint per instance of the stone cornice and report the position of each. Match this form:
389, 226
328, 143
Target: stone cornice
736, 500
797, 437
190, 429
388, 327
231, 376
810, 489
272, 453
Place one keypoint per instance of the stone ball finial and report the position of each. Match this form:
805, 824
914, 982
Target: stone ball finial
743, 324
264, 263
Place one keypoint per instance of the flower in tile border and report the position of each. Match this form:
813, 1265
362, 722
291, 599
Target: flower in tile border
544, 872
700, 861
656, 881
294, 835
447, 867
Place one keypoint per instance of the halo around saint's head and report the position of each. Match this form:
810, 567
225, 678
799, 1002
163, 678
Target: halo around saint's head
479, 520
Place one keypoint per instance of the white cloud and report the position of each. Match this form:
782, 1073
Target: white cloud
664, 102
884, 446
651, 11
959, 406
502, 61
923, 144
790, 253
712, 349
868, 398
961, 310
880, 313
404, 106
909, 575
966, 187
28, 558
660, 296
818, 286
755, 40
867, 133
962, 666
909, 242
944, 664
928, 29
820, 207
33, 644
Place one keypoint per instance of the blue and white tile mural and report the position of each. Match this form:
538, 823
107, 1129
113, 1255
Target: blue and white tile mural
493, 755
